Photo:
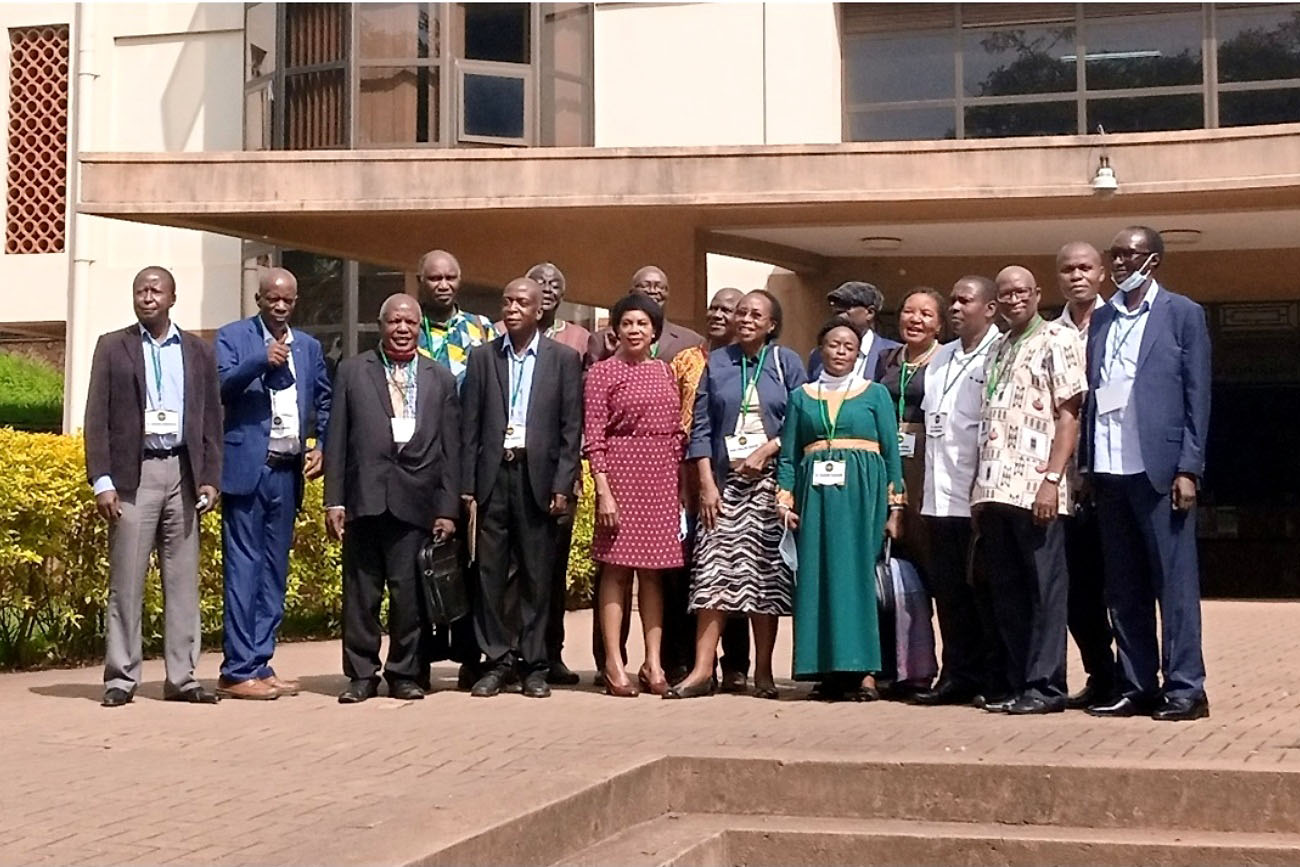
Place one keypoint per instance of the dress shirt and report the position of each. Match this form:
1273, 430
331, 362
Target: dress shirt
1066, 319
860, 367
954, 387
521, 379
1117, 449
284, 401
169, 393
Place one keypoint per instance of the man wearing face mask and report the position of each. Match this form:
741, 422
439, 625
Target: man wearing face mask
1144, 434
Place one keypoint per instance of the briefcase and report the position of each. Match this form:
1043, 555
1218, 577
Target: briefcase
441, 581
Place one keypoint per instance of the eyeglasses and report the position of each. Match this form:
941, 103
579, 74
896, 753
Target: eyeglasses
1126, 253
1019, 294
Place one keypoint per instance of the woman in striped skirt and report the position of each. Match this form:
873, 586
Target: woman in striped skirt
735, 437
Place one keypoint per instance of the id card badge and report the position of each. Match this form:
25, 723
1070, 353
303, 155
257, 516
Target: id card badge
906, 444
741, 446
1110, 397
403, 430
162, 422
515, 435
284, 425
935, 422
826, 473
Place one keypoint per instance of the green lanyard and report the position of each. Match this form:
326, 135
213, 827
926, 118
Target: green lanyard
654, 350
408, 387
1000, 366
157, 371
519, 377
905, 374
745, 381
826, 414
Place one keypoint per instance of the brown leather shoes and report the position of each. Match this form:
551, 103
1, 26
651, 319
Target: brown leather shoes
253, 690
283, 687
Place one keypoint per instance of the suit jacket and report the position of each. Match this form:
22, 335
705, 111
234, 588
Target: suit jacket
245, 380
114, 429
554, 428
1171, 389
879, 347
366, 472
672, 340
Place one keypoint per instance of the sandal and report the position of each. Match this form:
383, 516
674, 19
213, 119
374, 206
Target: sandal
766, 690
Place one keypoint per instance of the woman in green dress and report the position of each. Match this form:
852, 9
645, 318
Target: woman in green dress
840, 483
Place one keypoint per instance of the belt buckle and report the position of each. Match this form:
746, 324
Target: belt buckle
509, 456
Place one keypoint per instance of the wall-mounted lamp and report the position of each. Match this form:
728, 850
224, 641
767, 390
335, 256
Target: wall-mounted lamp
1104, 181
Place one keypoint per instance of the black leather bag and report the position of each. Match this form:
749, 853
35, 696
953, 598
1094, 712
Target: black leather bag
441, 581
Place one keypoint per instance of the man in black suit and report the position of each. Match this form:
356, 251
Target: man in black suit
521, 431
153, 456
391, 460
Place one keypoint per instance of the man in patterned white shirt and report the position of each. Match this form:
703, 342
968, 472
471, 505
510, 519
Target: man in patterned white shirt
1035, 379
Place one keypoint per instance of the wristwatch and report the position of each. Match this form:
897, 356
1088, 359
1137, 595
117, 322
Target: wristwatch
1054, 478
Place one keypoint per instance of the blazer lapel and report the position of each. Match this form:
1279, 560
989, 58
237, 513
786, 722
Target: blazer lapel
301, 363
540, 374
499, 367
133, 342
1156, 322
375, 370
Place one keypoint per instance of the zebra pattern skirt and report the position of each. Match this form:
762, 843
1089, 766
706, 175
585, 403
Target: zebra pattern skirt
738, 565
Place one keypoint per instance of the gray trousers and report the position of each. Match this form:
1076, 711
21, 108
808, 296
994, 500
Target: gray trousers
159, 515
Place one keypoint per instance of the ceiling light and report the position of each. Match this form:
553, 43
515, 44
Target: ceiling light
881, 242
1180, 237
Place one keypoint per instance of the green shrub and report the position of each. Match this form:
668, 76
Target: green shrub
31, 393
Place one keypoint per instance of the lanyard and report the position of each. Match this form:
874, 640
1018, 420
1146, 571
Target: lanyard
1119, 347
654, 350
949, 383
439, 352
518, 377
745, 381
825, 412
156, 353
906, 372
408, 387
1000, 365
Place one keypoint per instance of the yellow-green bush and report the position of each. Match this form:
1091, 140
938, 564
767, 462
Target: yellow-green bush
54, 561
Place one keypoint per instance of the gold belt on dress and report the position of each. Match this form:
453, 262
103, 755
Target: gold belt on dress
842, 443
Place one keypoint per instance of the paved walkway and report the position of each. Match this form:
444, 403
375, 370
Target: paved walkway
305, 780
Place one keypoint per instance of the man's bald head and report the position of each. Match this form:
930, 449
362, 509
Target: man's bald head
277, 295
276, 277
153, 292
439, 281
551, 279
1018, 296
398, 301
1079, 272
521, 309
652, 282
156, 274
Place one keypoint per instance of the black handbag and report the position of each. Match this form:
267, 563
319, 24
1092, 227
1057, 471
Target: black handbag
886, 606
445, 594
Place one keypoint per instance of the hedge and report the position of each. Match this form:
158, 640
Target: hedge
54, 562
31, 393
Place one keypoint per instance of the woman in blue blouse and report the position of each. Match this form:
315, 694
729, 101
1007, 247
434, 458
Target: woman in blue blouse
735, 437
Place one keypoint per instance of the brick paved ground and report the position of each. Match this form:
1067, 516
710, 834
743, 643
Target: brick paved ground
304, 779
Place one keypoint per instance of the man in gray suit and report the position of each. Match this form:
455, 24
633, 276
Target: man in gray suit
652, 282
153, 456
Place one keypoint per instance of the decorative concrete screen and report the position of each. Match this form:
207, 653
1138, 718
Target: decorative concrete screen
38, 140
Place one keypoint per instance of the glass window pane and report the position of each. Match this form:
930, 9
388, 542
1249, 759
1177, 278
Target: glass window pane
259, 40
903, 124
1260, 43
397, 105
494, 105
320, 288
566, 40
397, 30
900, 66
997, 121
374, 284
566, 113
1017, 60
1247, 108
497, 31
315, 33
257, 119
1143, 51
1147, 113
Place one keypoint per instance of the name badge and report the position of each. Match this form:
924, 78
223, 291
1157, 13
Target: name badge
515, 435
284, 425
827, 473
162, 421
1110, 397
403, 430
935, 422
906, 444
741, 446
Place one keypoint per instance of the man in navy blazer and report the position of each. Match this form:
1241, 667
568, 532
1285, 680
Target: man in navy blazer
1143, 442
859, 303
273, 381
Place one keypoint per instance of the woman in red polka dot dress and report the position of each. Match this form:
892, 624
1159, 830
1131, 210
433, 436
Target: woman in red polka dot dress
634, 443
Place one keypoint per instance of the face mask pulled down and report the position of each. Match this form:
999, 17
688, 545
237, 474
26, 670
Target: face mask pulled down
1136, 279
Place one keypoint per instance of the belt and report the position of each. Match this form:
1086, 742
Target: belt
281, 461
163, 454
512, 455
842, 443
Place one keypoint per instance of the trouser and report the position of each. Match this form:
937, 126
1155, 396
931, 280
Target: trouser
1089, 623
256, 535
379, 552
949, 584
559, 588
516, 553
158, 515
1025, 563
994, 659
1149, 551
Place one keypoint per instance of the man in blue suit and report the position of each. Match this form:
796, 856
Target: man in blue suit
859, 303
273, 379
1144, 441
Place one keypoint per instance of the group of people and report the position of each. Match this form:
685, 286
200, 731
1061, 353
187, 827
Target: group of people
1035, 475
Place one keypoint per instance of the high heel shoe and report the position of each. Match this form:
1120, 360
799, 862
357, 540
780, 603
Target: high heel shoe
658, 687
619, 690
699, 690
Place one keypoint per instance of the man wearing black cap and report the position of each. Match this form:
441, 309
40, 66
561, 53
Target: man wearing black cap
859, 303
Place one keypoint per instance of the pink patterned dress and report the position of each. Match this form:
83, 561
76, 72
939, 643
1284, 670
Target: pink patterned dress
633, 434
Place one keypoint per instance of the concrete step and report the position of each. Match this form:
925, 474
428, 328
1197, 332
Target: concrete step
720, 840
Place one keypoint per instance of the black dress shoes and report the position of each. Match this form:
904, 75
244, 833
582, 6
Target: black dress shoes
358, 691
467, 675
405, 690
1032, 704
197, 695
535, 685
947, 692
115, 697
1093, 693
1001, 704
561, 675
491, 683
1182, 709
1125, 705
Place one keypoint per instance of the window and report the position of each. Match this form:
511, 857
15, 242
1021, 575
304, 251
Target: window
495, 73
399, 74
36, 207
